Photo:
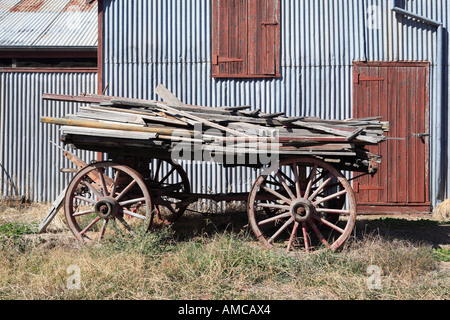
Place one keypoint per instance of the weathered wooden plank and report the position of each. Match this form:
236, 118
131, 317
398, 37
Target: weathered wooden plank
208, 123
144, 114
100, 125
89, 113
70, 98
56, 206
168, 97
108, 133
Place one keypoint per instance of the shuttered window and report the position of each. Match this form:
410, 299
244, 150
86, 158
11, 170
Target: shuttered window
245, 38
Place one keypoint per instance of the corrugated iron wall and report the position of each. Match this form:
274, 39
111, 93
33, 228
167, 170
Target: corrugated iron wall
29, 162
168, 41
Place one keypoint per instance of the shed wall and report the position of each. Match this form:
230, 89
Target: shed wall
29, 163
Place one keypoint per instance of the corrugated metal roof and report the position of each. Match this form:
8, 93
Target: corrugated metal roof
48, 23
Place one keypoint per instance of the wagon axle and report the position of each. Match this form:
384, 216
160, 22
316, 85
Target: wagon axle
107, 207
301, 210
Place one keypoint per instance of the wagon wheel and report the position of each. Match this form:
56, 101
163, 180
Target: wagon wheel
301, 206
166, 180
106, 197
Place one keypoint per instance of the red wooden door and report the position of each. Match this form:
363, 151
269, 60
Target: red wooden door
398, 92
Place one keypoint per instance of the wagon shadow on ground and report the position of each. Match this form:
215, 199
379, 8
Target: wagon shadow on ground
418, 231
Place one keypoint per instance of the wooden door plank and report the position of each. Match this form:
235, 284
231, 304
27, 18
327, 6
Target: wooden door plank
411, 140
392, 144
383, 148
421, 145
402, 150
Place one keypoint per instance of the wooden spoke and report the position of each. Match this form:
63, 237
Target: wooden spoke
274, 182
278, 195
296, 170
319, 234
310, 182
319, 189
285, 186
116, 180
293, 235
275, 218
90, 225
125, 191
83, 213
333, 196
102, 182
286, 177
103, 230
132, 201
93, 190
272, 206
328, 223
167, 176
335, 211
321, 176
305, 237
87, 200
125, 225
133, 214
281, 230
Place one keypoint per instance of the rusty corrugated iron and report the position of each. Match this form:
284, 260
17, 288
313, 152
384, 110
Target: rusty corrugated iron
48, 24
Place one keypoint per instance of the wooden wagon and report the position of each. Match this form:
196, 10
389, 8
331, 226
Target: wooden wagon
302, 200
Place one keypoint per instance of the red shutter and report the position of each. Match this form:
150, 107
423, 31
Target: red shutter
246, 38
398, 92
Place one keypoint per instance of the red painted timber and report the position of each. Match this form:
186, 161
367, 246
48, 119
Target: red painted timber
245, 38
402, 99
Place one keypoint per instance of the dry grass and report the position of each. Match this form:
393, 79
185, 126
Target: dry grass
222, 266
442, 211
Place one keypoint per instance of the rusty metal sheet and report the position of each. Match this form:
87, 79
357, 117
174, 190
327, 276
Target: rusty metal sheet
54, 23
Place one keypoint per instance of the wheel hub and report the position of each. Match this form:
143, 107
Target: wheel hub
301, 210
107, 208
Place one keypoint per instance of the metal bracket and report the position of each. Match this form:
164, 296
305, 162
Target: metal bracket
421, 135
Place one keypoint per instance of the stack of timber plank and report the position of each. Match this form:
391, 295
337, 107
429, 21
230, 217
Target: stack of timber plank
137, 127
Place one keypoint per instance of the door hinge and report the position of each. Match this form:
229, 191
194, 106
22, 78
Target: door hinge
217, 59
